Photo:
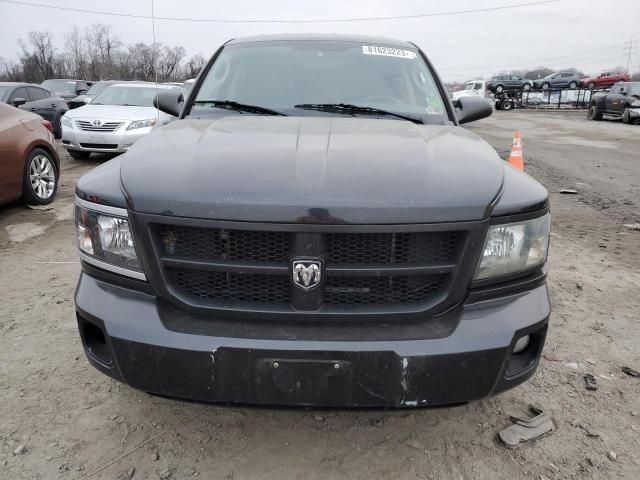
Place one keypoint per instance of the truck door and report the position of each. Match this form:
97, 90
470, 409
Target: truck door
615, 100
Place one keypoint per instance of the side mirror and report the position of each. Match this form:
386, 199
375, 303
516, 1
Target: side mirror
169, 101
18, 101
470, 109
81, 91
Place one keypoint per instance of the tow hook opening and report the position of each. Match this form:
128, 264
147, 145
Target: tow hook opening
95, 342
525, 351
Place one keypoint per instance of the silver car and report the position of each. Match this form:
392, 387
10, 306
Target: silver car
115, 119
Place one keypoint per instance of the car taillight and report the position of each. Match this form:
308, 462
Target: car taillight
47, 125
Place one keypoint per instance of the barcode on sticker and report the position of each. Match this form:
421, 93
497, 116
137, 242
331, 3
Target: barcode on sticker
388, 52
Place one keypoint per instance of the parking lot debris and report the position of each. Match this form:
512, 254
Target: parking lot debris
579, 285
612, 456
526, 430
590, 382
516, 158
632, 226
569, 191
417, 444
588, 429
631, 372
19, 450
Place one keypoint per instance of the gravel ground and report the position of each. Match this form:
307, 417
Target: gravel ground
63, 419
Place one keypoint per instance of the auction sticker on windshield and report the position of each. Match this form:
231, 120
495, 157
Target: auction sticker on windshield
388, 52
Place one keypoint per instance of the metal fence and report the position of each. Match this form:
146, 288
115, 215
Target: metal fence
554, 99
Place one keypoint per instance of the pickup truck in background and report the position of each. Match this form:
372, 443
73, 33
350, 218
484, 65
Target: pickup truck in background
622, 101
605, 79
474, 88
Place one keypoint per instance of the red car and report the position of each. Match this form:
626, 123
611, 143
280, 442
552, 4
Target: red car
605, 79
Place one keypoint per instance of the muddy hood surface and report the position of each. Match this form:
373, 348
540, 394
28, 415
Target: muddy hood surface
312, 169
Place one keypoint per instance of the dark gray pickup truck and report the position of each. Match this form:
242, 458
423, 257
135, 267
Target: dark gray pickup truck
316, 229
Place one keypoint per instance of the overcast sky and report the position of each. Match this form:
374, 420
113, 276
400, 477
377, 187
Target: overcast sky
588, 35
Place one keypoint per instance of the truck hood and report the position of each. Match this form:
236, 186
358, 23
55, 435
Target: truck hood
312, 169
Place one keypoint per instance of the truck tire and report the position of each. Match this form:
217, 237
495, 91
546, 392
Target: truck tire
626, 117
506, 105
594, 112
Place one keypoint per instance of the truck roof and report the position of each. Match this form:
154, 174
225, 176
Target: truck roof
331, 37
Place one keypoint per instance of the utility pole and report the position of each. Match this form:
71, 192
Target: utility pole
629, 48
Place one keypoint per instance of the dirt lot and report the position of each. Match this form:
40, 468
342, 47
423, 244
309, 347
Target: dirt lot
73, 422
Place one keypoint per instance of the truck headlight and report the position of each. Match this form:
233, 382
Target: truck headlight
66, 121
513, 247
142, 124
105, 240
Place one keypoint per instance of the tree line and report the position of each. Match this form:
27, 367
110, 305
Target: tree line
97, 53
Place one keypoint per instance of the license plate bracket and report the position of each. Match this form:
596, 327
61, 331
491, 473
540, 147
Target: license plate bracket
308, 381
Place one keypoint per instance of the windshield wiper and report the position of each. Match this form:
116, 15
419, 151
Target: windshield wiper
348, 108
239, 107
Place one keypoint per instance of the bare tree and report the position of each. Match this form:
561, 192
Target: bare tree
41, 55
194, 65
75, 49
169, 62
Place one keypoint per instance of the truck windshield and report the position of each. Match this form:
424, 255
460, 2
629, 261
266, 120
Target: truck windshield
282, 74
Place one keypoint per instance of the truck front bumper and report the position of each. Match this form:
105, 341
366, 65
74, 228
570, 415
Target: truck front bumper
126, 336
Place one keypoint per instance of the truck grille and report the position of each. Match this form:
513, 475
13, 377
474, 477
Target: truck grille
233, 268
88, 126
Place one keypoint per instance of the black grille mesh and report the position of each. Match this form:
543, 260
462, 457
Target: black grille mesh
221, 244
383, 248
231, 286
276, 248
381, 290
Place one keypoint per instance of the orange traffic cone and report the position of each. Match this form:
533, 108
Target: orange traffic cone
516, 159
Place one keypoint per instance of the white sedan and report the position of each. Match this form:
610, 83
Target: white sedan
114, 120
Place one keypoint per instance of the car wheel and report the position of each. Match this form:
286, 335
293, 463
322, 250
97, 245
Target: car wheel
499, 89
573, 85
545, 86
526, 87
594, 113
40, 181
78, 155
592, 85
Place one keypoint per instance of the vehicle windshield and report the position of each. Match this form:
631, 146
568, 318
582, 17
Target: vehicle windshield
62, 86
126, 96
5, 91
633, 88
281, 74
96, 88
470, 86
